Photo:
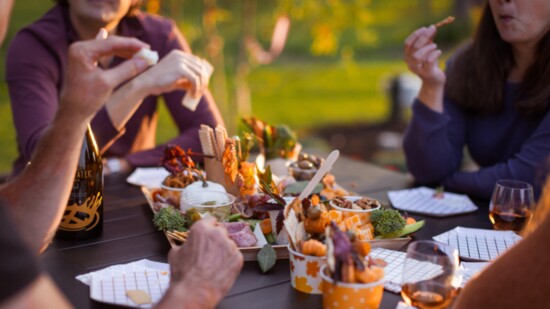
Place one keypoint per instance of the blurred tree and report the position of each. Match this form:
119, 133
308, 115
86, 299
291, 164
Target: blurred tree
238, 36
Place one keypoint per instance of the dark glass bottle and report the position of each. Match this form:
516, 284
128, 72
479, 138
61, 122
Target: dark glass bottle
83, 217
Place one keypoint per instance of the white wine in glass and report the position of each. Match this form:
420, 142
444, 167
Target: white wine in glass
430, 275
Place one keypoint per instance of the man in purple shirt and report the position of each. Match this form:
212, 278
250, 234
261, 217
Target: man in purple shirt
125, 127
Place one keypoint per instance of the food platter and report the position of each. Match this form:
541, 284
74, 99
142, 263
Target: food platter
249, 253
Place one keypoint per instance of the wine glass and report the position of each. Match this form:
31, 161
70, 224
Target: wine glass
430, 275
511, 205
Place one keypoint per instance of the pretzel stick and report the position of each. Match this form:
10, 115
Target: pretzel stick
176, 236
445, 21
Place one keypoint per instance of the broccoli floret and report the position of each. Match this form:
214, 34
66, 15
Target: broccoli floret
387, 221
169, 219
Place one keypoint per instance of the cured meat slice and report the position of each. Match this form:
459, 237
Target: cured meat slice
240, 233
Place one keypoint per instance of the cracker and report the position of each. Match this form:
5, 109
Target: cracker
139, 297
191, 102
193, 96
206, 143
216, 151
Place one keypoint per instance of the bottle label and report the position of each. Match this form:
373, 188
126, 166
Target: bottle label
82, 217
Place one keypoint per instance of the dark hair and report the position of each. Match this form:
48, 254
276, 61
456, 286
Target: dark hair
134, 7
478, 75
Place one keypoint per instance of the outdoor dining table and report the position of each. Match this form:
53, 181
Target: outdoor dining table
129, 235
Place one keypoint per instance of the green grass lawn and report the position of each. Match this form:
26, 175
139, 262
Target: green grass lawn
318, 94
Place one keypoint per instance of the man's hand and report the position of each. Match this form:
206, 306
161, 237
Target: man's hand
87, 87
178, 70
208, 262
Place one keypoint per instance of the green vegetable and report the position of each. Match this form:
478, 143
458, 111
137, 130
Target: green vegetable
234, 217
192, 215
408, 229
251, 222
387, 221
169, 219
267, 258
270, 238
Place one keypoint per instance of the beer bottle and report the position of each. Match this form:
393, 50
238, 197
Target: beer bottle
83, 217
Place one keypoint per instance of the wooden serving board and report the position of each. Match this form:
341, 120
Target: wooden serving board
249, 253
391, 244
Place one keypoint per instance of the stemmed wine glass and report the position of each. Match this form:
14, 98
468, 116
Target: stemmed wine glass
430, 275
511, 205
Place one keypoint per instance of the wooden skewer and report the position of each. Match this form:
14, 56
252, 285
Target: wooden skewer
445, 21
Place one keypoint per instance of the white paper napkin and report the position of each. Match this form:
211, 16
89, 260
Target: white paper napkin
150, 177
479, 244
422, 201
110, 284
470, 270
393, 272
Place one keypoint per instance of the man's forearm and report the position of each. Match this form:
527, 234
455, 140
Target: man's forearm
38, 196
124, 102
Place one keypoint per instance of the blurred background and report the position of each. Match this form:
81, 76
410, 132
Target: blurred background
330, 69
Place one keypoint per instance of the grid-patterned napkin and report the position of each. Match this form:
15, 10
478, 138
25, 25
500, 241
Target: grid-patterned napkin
111, 284
479, 244
422, 201
393, 272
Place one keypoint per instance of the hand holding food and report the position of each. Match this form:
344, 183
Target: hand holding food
197, 262
422, 55
86, 86
178, 70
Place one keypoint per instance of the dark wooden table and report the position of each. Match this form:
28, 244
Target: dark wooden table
129, 235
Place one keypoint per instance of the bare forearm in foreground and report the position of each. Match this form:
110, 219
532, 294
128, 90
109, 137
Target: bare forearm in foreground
45, 183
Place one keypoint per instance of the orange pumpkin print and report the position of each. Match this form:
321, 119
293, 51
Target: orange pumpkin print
301, 284
312, 268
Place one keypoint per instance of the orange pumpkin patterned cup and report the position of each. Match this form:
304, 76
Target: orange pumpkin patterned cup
350, 295
305, 272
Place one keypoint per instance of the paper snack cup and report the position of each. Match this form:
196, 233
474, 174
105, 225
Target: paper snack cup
305, 272
215, 172
350, 295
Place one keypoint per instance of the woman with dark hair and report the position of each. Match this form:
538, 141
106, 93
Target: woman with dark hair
125, 128
494, 99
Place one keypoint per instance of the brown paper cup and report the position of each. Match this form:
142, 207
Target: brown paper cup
215, 172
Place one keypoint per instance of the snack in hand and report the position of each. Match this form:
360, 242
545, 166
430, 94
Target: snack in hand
193, 96
150, 56
444, 22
